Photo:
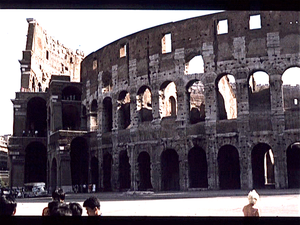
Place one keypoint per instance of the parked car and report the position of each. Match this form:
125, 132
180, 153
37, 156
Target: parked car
35, 189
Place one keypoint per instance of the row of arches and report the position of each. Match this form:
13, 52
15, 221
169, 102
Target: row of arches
259, 99
262, 161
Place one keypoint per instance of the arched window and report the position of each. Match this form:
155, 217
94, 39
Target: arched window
226, 97
196, 97
168, 99
124, 110
195, 65
144, 104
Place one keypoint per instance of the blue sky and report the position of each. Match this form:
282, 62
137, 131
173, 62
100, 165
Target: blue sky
87, 30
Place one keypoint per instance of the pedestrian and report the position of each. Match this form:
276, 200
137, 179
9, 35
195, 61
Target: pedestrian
252, 209
8, 206
75, 208
92, 206
58, 196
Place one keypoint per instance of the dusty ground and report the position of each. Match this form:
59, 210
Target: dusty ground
273, 203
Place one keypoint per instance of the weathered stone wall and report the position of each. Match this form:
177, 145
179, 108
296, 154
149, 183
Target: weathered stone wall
240, 52
128, 125
44, 57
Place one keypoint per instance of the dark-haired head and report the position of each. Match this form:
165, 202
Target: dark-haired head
75, 208
8, 206
58, 195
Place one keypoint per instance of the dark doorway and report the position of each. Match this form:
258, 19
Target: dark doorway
169, 171
95, 171
197, 168
107, 115
70, 117
293, 165
107, 162
229, 168
35, 163
124, 170
79, 162
144, 171
262, 166
36, 117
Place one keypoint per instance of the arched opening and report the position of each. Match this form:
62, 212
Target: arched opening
93, 116
107, 115
53, 174
35, 163
95, 171
144, 104
36, 117
124, 109
293, 165
144, 172
124, 170
197, 168
226, 97
107, 164
196, 97
79, 162
291, 97
229, 168
70, 117
106, 82
195, 65
262, 160
168, 99
169, 170
259, 92
71, 93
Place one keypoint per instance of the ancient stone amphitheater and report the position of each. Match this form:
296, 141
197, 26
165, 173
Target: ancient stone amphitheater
210, 102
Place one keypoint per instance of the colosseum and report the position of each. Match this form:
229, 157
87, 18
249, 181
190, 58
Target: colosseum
197, 104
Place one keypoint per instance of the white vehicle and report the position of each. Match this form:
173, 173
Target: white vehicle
35, 189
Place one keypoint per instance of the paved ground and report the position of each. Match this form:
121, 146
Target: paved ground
273, 203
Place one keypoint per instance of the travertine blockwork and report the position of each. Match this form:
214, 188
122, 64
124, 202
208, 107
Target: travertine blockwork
194, 104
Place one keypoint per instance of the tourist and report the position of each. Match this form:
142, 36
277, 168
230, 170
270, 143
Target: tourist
8, 206
75, 208
92, 205
58, 196
251, 209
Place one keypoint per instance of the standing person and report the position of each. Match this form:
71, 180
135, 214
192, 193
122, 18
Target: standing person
8, 206
58, 195
92, 205
251, 209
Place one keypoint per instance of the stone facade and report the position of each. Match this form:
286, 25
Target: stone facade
42, 58
142, 120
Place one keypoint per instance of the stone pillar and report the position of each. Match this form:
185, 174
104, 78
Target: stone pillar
243, 128
16, 173
134, 170
155, 107
115, 170
210, 130
153, 68
278, 127
155, 166
65, 173
134, 115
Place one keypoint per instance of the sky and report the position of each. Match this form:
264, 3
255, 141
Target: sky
87, 30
